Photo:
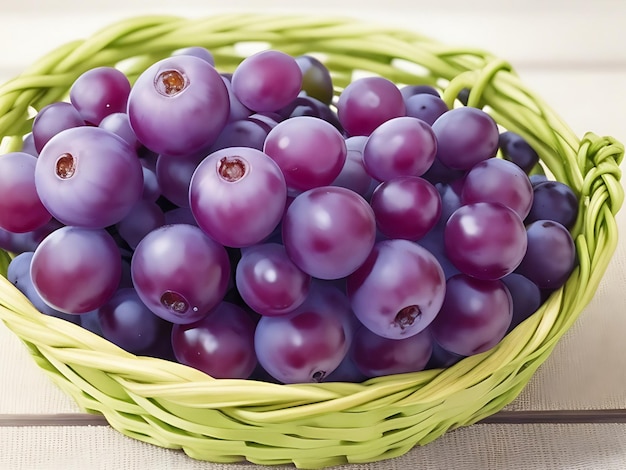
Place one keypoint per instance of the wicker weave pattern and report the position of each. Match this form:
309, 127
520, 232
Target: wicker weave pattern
317, 425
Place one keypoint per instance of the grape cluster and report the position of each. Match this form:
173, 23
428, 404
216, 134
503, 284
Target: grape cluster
255, 225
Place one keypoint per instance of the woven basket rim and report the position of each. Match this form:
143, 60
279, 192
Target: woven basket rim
315, 425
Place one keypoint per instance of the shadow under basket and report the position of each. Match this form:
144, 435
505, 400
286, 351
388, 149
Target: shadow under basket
315, 425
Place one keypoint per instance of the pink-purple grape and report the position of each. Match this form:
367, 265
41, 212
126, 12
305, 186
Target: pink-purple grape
151, 188
267, 80
17, 243
554, 200
309, 343
398, 290
329, 231
550, 256
180, 273
52, 119
174, 174
70, 181
144, 217
21, 209
498, 180
353, 174
474, 317
237, 196
316, 79
178, 105
402, 146
221, 344
465, 136
485, 240
269, 282
126, 321
76, 270
368, 102
119, 124
376, 356
309, 151
98, 92
406, 207
241, 133
237, 110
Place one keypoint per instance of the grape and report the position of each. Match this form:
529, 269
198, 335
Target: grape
403, 146
267, 80
119, 124
241, 133
376, 356
554, 200
408, 91
52, 119
526, 297
399, 289
237, 110
19, 268
328, 231
440, 173
76, 270
20, 242
425, 106
180, 273
70, 183
368, 102
346, 371
98, 92
307, 106
450, 194
21, 209
179, 215
125, 321
174, 176
266, 120
237, 196
474, 317
316, 79
144, 217
551, 254
196, 51
406, 207
28, 145
151, 188
515, 149
485, 240
353, 175
309, 151
269, 282
221, 344
465, 137
433, 241
537, 178
178, 105
442, 359
497, 180
90, 322
309, 343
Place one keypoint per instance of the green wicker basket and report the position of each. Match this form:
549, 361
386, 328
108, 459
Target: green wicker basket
315, 425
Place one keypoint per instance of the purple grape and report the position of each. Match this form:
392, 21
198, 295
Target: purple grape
412, 90
515, 149
438, 173
550, 256
127, 322
554, 200
237, 196
465, 136
376, 356
426, 107
174, 176
309, 343
267, 80
309, 151
537, 178
151, 188
179, 215
316, 79
21, 209
403, 146
19, 268
329, 231
196, 51
144, 217
526, 297
269, 282
474, 317
237, 110
399, 289
69, 177
442, 359
485, 240
307, 106
406, 207
98, 92
450, 194
178, 106
353, 175
28, 145
119, 124
433, 241
346, 371
52, 119
180, 273
497, 180
17, 243
76, 270
368, 102
241, 133
220, 344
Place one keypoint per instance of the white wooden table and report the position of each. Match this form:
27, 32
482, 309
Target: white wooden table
570, 52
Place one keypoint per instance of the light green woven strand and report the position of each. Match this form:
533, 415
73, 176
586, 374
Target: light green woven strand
315, 425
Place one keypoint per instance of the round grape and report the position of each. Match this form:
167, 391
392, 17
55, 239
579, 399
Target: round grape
554, 200
98, 92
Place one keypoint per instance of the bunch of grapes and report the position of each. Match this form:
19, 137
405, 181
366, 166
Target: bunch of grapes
258, 225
